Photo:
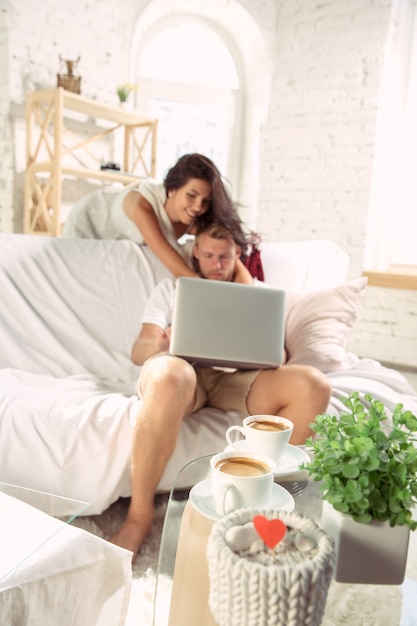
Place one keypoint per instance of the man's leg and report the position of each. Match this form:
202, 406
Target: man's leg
167, 386
298, 392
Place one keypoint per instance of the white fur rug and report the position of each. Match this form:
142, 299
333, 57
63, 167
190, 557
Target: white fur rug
347, 605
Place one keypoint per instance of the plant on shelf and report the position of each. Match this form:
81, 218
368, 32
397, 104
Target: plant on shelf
124, 91
367, 471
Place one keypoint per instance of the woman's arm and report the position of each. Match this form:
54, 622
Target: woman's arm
141, 212
242, 274
152, 340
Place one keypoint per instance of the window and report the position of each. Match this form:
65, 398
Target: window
392, 236
189, 82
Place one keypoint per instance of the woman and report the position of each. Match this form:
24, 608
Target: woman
159, 214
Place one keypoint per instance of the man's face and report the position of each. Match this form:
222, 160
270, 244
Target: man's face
216, 257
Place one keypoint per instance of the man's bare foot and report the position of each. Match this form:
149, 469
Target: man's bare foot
131, 535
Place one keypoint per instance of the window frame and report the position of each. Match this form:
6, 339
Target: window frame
200, 94
396, 137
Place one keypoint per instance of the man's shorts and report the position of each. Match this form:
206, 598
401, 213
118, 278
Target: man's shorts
223, 389
219, 389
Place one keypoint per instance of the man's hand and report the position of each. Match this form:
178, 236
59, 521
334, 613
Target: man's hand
163, 340
152, 340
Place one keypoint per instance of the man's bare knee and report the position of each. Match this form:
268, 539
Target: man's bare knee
318, 385
169, 374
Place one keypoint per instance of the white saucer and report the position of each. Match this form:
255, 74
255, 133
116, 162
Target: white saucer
202, 501
288, 464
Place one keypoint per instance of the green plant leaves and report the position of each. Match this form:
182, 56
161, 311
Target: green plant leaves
367, 469
350, 470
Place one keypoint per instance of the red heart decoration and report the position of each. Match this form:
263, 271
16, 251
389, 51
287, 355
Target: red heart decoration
271, 531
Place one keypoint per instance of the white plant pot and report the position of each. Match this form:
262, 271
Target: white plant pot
126, 105
371, 553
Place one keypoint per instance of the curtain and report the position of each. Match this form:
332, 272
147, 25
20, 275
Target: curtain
393, 201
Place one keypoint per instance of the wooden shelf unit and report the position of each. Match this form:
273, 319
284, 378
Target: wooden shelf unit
53, 151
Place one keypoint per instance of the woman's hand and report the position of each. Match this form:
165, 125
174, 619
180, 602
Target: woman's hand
142, 214
242, 274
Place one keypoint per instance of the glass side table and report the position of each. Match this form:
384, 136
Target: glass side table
16, 544
184, 540
181, 592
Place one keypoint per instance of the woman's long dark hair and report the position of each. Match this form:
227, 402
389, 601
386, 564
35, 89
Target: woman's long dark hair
221, 209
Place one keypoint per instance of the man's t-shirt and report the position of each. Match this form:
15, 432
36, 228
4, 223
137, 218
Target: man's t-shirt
160, 306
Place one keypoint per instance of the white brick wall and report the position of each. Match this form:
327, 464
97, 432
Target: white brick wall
316, 141
6, 156
317, 149
387, 326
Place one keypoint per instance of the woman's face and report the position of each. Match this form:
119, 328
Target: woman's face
186, 203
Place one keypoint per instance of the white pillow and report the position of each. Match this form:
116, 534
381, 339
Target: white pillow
318, 324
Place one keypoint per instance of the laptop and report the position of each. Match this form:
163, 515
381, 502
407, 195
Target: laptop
230, 325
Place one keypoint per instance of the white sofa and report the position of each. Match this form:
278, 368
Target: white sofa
69, 312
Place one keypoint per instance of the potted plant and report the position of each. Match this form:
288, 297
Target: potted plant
124, 91
367, 467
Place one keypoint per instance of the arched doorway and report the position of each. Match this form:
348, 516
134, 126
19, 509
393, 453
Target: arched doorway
194, 96
236, 27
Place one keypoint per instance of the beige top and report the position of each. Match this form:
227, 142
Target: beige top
100, 215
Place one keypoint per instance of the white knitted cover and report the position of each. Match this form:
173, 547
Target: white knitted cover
246, 593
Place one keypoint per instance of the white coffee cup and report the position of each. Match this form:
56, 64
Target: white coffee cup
264, 434
241, 480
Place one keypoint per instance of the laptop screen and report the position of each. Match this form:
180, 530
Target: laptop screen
224, 324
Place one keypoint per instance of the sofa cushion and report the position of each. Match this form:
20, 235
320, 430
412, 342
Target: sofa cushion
72, 307
304, 265
319, 323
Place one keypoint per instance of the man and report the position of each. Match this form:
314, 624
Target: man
171, 388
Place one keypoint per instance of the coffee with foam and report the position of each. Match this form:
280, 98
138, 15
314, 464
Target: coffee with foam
241, 480
243, 466
268, 425
263, 434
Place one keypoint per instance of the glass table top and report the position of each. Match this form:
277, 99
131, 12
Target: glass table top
305, 493
28, 519
308, 502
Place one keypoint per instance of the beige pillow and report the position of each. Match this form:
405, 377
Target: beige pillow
318, 324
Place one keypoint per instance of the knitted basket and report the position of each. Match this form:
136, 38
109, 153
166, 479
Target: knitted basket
246, 593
